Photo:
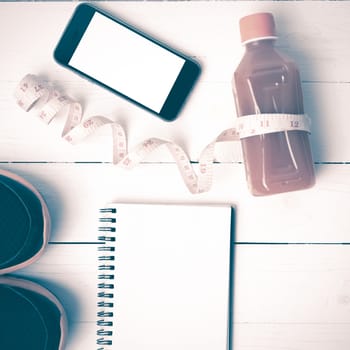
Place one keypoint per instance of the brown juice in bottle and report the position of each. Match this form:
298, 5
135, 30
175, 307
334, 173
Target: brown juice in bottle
267, 82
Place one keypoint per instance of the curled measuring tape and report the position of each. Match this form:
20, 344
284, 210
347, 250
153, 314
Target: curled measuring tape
31, 89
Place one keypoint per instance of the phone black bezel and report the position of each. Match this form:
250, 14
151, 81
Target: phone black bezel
73, 33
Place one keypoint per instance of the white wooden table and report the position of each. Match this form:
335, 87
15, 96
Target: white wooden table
292, 251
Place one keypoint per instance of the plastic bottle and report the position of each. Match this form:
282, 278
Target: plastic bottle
267, 82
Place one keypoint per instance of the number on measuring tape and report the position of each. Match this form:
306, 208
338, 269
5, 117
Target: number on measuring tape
31, 89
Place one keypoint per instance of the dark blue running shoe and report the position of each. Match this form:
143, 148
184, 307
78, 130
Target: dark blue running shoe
31, 317
24, 223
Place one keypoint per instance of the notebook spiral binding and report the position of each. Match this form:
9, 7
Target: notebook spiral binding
105, 278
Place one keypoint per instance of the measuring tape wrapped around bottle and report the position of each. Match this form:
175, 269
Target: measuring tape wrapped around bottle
31, 89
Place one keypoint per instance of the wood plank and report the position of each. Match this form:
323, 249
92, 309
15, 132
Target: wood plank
283, 294
292, 284
252, 336
309, 40
210, 108
293, 296
329, 138
291, 336
74, 192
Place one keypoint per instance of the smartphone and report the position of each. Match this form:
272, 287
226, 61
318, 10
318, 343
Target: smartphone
117, 56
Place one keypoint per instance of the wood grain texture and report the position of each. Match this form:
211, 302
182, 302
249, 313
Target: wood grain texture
320, 50
292, 279
285, 296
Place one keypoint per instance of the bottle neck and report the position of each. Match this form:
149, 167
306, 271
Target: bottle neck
260, 44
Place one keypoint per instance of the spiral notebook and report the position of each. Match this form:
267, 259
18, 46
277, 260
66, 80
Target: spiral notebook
164, 280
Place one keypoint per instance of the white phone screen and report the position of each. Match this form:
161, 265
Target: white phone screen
127, 62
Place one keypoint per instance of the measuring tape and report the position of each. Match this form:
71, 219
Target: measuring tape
31, 89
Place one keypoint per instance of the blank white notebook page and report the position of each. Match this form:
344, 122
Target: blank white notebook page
172, 269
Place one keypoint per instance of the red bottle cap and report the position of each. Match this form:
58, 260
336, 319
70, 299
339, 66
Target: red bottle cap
257, 26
